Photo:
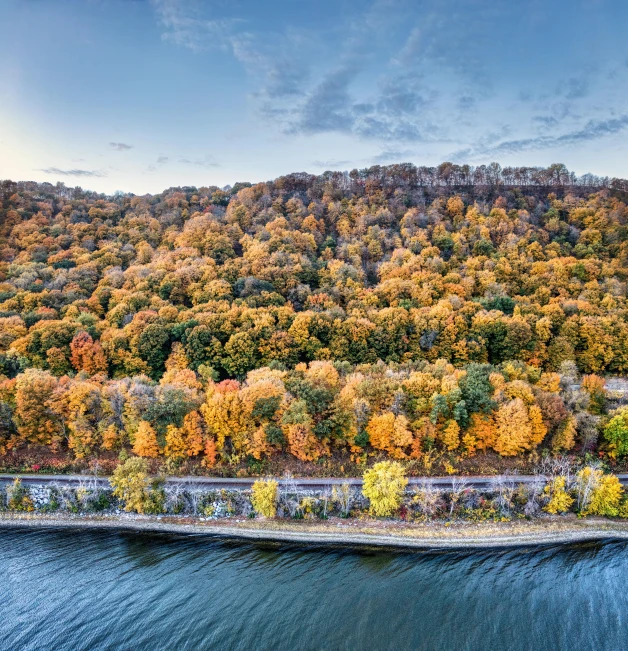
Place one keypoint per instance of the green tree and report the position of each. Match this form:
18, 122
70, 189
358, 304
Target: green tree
616, 433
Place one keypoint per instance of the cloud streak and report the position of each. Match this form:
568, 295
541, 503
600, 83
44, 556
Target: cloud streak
79, 173
331, 164
120, 146
591, 131
199, 162
185, 25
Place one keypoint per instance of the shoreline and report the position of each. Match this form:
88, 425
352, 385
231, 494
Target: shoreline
364, 535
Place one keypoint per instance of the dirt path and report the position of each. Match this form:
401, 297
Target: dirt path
370, 533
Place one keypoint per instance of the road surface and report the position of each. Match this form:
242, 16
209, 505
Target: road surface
304, 484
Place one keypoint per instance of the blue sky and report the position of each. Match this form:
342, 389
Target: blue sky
141, 95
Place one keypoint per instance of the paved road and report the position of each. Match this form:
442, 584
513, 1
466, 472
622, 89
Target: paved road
209, 483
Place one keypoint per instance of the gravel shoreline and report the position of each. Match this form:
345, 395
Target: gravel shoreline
417, 537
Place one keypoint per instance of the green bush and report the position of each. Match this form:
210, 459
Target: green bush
616, 433
18, 497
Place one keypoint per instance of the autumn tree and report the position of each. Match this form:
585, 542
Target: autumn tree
390, 433
87, 355
145, 443
384, 485
616, 433
131, 484
264, 497
36, 421
514, 430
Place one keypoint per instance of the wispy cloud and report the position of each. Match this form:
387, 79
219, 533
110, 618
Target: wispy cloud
199, 162
591, 131
120, 146
186, 24
401, 73
331, 164
394, 155
82, 173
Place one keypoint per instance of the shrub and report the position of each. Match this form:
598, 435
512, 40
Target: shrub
384, 485
18, 497
605, 497
132, 485
264, 498
559, 498
616, 433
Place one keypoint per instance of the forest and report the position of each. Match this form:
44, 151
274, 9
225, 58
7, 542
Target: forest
449, 318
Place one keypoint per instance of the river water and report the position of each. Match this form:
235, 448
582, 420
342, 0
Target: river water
112, 590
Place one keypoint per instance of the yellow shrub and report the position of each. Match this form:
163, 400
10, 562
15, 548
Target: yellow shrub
264, 498
384, 485
606, 497
131, 484
560, 500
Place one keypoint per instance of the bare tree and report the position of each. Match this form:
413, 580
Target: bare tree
427, 498
561, 466
458, 486
343, 496
585, 484
535, 490
504, 489
326, 496
290, 494
175, 497
194, 498
588, 427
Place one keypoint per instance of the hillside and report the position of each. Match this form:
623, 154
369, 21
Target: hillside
435, 315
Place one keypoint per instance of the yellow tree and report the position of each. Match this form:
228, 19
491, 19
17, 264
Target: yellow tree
145, 443
450, 435
176, 447
565, 437
538, 428
36, 422
264, 497
390, 433
384, 485
594, 385
225, 415
513, 428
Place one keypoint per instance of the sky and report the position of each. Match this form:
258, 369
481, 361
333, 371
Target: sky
141, 95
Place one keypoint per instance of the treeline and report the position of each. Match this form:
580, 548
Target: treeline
125, 318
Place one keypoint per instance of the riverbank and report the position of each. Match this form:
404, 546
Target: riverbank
368, 533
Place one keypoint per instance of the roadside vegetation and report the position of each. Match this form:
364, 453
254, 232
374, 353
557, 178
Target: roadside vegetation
563, 488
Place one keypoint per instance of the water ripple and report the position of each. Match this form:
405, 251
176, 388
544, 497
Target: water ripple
122, 590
